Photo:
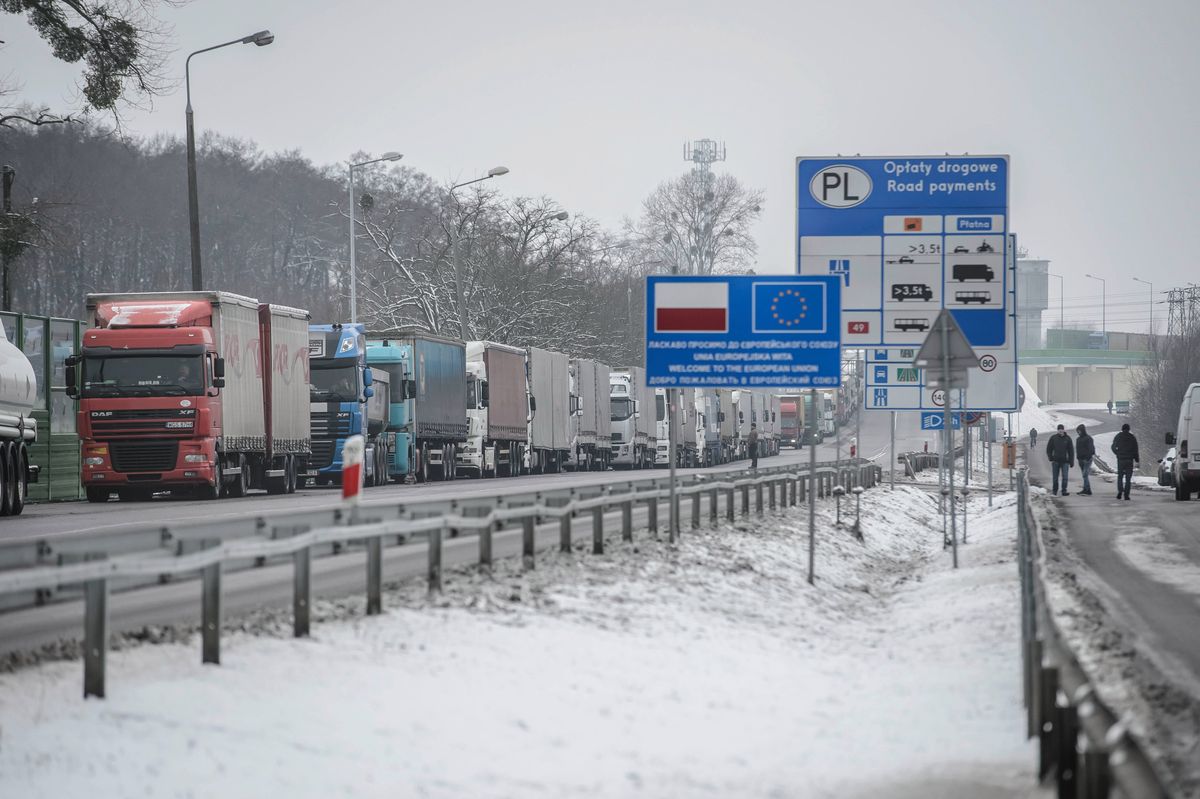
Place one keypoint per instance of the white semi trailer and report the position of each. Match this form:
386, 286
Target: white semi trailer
632, 418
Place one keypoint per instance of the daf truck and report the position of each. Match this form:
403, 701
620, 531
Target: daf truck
632, 414
427, 409
497, 410
203, 392
346, 399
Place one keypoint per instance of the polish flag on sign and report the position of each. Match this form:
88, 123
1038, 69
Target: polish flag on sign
691, 306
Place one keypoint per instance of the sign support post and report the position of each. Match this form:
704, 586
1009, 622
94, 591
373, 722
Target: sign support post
950, 434
991, 440
812, 486
672, 433
892, 468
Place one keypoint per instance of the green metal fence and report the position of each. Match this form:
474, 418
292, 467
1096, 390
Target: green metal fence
47, 341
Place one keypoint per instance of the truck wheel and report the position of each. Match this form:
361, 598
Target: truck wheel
241, 482
6, 479
208, 492
1182, 491
291, 475
21, 481
423, 464
97, 494
449, 456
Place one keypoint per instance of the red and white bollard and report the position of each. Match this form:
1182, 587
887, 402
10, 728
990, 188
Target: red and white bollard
352, 469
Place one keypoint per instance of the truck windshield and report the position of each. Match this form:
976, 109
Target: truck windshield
621, 408
143, 376
330, 381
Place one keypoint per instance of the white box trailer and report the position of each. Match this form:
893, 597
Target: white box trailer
708, 427
550, 414
590, 434
286, 388
632, 419
685, 430
746, 403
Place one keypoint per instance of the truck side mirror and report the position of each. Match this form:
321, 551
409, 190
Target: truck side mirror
219, 369
532, 404
1170, 436
637, 406
368, 377
368, 392
721, 416
410, 389
483, 394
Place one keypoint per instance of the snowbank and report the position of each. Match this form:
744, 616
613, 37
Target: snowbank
1045, 418
712, 669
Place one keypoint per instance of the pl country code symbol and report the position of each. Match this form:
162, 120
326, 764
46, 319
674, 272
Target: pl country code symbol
789, 307
697, 306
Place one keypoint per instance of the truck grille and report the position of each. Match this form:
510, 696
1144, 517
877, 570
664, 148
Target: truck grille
154, 421
327, 425
322, 452
144, 456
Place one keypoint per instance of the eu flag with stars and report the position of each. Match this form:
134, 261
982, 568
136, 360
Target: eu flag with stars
791, 307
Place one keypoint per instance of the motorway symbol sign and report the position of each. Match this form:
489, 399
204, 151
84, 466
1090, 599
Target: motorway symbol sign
774, 331
909, 236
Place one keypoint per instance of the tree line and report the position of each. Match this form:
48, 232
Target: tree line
103, 212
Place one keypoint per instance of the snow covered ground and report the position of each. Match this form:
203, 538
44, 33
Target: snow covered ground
712, 669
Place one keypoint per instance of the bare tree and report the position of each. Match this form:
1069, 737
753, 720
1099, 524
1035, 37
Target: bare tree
700, 223
1159, 385
120, 42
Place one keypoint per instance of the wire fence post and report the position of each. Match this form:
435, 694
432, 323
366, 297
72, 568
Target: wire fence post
652, 514
731, 504
527, 541
695, 509
712, 506
598, 530
745, 500
627, 519
564, 527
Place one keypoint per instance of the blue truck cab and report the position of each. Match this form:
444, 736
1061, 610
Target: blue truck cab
345, 399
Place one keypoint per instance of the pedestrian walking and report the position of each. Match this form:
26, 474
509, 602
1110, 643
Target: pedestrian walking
1061, 452
752, 445
1110, 406
1085, 450
1125, 447
1033, 437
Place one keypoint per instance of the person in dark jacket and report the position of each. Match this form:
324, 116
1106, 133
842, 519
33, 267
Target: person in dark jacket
1125, 447
1085, 450
752, 445
1033, 437
1061, 452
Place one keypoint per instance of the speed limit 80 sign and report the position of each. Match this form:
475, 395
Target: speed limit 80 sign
988, 363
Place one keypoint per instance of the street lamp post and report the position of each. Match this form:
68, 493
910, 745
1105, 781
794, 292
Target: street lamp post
1061, 321
1151, 285
494, 172
260, 39
388, 156
1103, 308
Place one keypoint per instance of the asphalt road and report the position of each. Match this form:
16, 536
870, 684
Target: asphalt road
341, 575
1146, 552
71, 518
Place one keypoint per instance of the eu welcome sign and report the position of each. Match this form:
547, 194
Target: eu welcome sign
732, 332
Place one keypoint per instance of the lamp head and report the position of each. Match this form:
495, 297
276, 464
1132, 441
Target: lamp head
561, 216
391, 155
497, 171
260, 39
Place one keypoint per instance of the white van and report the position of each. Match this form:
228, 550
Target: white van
1186, 440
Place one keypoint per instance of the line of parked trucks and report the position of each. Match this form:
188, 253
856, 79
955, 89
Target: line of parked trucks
217, 394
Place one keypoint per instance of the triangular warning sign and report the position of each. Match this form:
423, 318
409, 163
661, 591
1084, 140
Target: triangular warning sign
946, 341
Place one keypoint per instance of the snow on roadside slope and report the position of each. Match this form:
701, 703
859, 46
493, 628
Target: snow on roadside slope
1046, 418
713, 669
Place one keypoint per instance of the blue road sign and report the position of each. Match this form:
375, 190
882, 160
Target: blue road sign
935, 421
771, 331
908, 236
881, 374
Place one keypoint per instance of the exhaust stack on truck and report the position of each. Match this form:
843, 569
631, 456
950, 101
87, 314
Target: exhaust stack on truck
203, 391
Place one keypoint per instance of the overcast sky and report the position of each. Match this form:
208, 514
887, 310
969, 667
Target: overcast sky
1095, 102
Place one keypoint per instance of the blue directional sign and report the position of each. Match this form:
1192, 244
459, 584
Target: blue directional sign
772, 331
935, 421
907, 236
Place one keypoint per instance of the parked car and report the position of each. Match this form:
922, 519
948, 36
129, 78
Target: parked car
1165, 464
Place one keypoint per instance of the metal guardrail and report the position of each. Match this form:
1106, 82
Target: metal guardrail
1083, 744
285, 536
159, 538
